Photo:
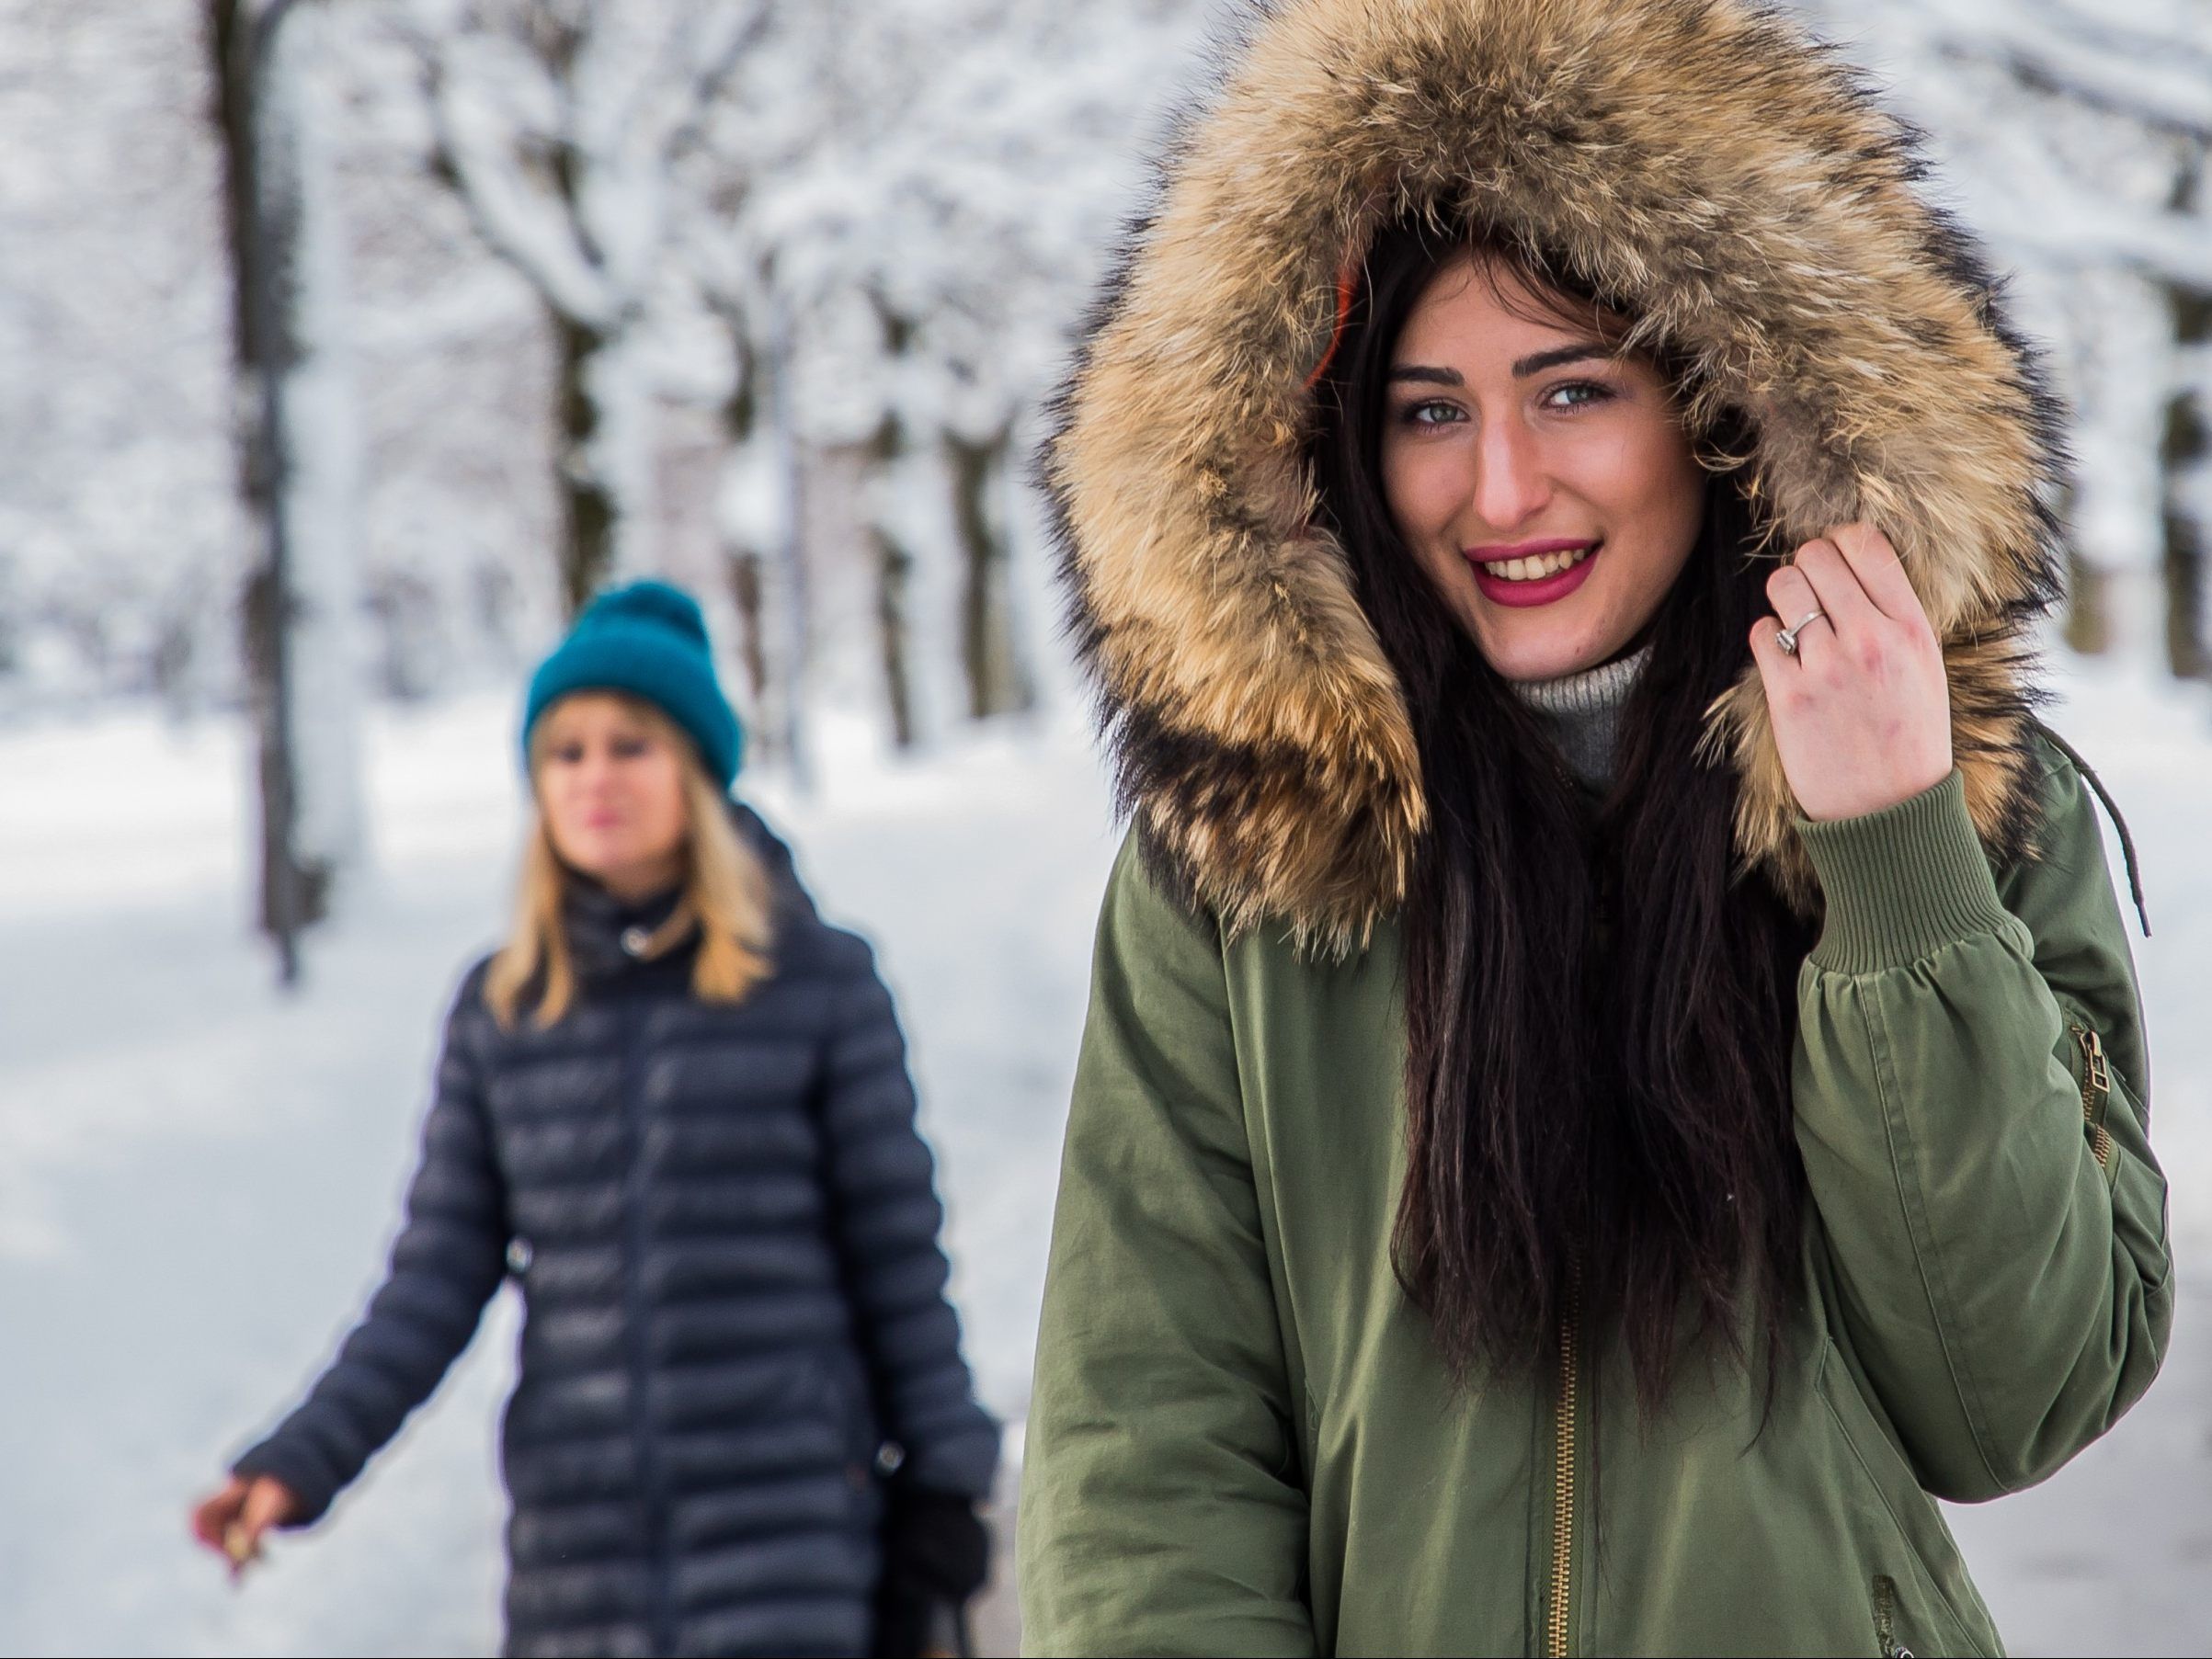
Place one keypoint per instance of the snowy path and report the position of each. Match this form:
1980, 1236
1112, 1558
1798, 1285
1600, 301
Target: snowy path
197, 1178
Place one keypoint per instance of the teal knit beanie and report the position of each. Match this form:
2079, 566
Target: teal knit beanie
649, 639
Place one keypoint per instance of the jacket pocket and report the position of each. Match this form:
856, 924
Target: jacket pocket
1910, 1611
1883, 1589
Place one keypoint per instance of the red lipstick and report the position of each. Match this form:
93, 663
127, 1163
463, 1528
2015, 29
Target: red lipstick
1540, 590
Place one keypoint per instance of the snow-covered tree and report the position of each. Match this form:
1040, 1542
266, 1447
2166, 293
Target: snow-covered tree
120, 545
561, 123
300, 452
907, 202
835, 251
2076, 136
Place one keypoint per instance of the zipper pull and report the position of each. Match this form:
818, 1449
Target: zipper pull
2096, 1091
2099, 1076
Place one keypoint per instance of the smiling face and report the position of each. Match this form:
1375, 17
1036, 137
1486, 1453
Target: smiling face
1545, 484
611, 785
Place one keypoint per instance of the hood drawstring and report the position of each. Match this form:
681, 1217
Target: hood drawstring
2112, 811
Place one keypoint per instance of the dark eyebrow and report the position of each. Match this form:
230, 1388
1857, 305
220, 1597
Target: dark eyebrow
1423, 374
1576, 353
1426, 375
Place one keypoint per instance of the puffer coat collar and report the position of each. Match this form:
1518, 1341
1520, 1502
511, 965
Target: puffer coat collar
1737, 187
604, 932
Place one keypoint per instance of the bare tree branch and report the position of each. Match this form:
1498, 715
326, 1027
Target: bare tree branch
712, 79
2084, 234
2163, 83
525, 227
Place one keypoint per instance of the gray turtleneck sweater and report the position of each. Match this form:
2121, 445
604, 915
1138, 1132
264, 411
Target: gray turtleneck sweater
1582, 712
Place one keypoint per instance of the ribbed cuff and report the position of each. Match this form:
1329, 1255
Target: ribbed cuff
1901, 884
311, 1491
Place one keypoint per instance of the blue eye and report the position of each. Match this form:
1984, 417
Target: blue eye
1431, 413
1579, 394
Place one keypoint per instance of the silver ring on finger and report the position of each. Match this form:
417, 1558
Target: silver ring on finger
1786, 640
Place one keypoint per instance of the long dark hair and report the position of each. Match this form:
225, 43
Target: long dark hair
1600, 1004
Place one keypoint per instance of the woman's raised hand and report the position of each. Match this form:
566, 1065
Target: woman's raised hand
1861, 711
230, 1522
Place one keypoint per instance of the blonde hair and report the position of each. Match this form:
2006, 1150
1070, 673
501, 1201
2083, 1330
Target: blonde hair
726, 898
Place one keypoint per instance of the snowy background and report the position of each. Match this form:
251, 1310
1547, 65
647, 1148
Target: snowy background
764, 296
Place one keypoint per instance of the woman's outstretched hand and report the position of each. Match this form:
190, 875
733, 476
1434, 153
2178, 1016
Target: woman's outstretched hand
231, 1523
1862, 712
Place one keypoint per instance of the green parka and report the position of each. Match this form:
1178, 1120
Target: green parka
1242, 1439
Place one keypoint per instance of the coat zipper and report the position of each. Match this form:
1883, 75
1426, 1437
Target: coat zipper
639, 1336
2096, 1091
1563, 1477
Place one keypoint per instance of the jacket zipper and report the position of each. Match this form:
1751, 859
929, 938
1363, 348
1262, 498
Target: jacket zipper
1563, 1477
2096, 1091
639, 1336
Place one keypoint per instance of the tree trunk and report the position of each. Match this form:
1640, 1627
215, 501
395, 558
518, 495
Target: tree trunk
603, 469
297, 463
588, 508
894, 591
2186, 457
749, 593
785, 600
2118, 327
747, 522
997, 682
234, 55
2185, 451
318, 439
2088, 627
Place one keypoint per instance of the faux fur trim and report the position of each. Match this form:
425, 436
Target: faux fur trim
1735, 184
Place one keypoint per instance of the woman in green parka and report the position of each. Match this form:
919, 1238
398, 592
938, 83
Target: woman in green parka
1614, 1076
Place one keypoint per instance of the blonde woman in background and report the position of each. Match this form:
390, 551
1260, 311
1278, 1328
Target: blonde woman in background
676, 1107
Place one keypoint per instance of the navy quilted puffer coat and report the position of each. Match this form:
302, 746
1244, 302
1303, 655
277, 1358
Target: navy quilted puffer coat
724, 1229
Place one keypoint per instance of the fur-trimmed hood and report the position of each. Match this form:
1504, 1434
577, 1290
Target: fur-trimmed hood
1740, 191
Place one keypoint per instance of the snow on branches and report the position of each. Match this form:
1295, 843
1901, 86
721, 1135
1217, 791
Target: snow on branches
561, 123
2075, 138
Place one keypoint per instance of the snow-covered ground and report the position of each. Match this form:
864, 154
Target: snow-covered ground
197, 1174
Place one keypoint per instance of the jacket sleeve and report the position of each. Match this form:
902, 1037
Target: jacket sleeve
888, 1220
2000, 1266
449, 1257
1162, 1506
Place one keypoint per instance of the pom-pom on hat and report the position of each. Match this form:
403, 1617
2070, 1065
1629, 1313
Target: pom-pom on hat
648, 640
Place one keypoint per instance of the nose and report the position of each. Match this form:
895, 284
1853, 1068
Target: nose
595, 772
1511, 483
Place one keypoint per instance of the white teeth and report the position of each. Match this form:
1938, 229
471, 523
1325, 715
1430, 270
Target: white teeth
1537, 567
